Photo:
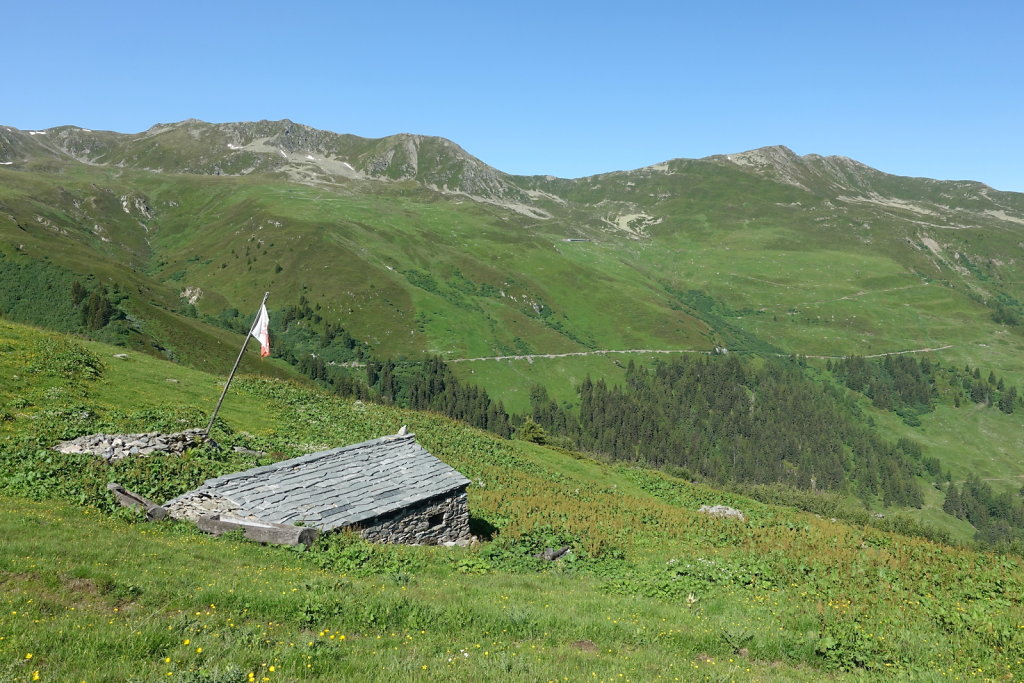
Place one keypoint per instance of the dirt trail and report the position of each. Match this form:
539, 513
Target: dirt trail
531, 356
1009, 478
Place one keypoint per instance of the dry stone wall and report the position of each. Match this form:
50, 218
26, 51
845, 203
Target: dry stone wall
435, 521
443, 520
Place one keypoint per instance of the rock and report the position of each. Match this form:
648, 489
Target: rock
551, 554
722, 511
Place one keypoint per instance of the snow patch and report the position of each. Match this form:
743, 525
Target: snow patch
37, 132
311, 157
233, 147
283, 153
6, 163
348, 165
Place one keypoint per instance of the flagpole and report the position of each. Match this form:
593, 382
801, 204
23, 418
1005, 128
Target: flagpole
237, 361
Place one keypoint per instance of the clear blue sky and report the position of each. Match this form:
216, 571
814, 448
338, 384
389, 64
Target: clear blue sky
568, 88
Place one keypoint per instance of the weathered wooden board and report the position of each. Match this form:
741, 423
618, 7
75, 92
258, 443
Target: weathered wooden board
262, 532
128, 499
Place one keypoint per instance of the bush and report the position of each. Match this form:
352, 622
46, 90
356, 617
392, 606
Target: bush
61, 357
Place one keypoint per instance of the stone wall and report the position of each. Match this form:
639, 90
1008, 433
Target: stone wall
442, 520
112, 447
435, 521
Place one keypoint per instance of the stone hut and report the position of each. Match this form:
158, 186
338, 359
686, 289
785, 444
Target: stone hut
390, 490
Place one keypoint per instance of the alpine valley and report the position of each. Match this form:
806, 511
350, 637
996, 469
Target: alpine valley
837, 350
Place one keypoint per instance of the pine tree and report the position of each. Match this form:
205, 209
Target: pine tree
1007, 400
953, 505
78, 293
97, 310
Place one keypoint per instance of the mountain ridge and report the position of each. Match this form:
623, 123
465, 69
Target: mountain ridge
401, 156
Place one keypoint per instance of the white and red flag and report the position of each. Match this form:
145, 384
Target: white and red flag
261, 331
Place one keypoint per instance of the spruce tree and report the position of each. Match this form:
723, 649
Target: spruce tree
953, 505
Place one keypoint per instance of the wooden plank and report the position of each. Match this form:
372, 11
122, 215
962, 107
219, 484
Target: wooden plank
128, 499
261, 532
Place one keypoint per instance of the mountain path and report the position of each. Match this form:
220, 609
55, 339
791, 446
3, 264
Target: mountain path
600, 352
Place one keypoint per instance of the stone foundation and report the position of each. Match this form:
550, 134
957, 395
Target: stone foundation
442, 520
435, 521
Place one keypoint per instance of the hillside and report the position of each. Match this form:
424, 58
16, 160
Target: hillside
653, 590
419, 247
408, 246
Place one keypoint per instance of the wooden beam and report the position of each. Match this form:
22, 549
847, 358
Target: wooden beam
133, 500
261, 532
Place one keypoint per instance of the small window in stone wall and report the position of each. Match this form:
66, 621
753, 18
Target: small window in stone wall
435, 520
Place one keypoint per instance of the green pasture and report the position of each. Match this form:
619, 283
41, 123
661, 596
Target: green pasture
653, 590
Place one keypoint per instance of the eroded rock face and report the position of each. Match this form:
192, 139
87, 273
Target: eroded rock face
114, 447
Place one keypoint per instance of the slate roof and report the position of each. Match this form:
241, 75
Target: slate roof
338, 487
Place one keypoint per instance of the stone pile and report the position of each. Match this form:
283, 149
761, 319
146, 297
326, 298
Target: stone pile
114, 447
196, 504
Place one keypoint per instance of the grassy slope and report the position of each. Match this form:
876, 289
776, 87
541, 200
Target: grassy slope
822, 277
658, 590
808, 278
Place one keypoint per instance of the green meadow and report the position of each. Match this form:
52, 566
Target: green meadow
652, 590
